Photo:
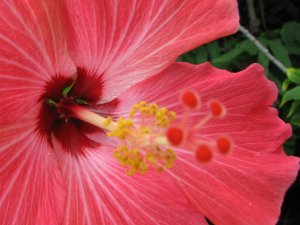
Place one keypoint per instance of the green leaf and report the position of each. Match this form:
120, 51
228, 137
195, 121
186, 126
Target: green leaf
294, 75
189, 58
213, 49
288, 32
248, 46
285, 84
292, 94
263, 40
280, 52
229, 43
227, 58
291, 37
295, 120
202, 55
264, 61
293, 49
289, 146
273, 77
294, 107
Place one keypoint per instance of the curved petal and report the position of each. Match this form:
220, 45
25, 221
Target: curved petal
241, 189
31, 190
248, 186
99, 192
247, 96
32, 50
128, 41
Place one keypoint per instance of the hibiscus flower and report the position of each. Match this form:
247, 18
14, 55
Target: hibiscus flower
99, 58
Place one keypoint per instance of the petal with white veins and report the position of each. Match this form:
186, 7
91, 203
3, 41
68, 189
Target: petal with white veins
32, 51
130, 40
99, 192
246, 187
31, 190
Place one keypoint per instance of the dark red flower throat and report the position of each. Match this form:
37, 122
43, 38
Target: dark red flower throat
56, 119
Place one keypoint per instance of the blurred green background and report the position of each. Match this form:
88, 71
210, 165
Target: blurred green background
275, 24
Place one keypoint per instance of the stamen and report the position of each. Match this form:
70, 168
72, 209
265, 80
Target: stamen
122, 128
190, 99
90, 117
204, 149
143, 141
148, 133
217, 109
202, 122
204, 153
175, 135
224, 145
132, 158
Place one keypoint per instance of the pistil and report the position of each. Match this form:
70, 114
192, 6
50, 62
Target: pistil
149, 134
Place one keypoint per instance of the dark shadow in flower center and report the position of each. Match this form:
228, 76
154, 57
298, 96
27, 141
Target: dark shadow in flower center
57, 123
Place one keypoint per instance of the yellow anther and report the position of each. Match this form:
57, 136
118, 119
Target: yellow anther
150, 158
163, 117
143, 141
122, 128
131, 158
107, 121
143, 103
153, 107
144, 129
132, 113
161, 158
137, 162
172, 115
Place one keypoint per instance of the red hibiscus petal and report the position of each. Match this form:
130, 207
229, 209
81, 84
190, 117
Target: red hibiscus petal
31, 190
242, 189
128, 41
72, 138
247, 96
248, 186
99, 192
32, 51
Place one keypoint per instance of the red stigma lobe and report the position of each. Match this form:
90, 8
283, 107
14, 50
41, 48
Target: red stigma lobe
224, 145
204, 153
217, 109
190, 99
175, 135
204, 147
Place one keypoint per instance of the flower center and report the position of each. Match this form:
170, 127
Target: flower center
148, 137
56, 119
142, 137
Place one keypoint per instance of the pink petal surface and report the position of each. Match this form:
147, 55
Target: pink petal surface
99, 192
245, 188
127, 41
41, 185
32, 51
247, 95
31, 190
248, 186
